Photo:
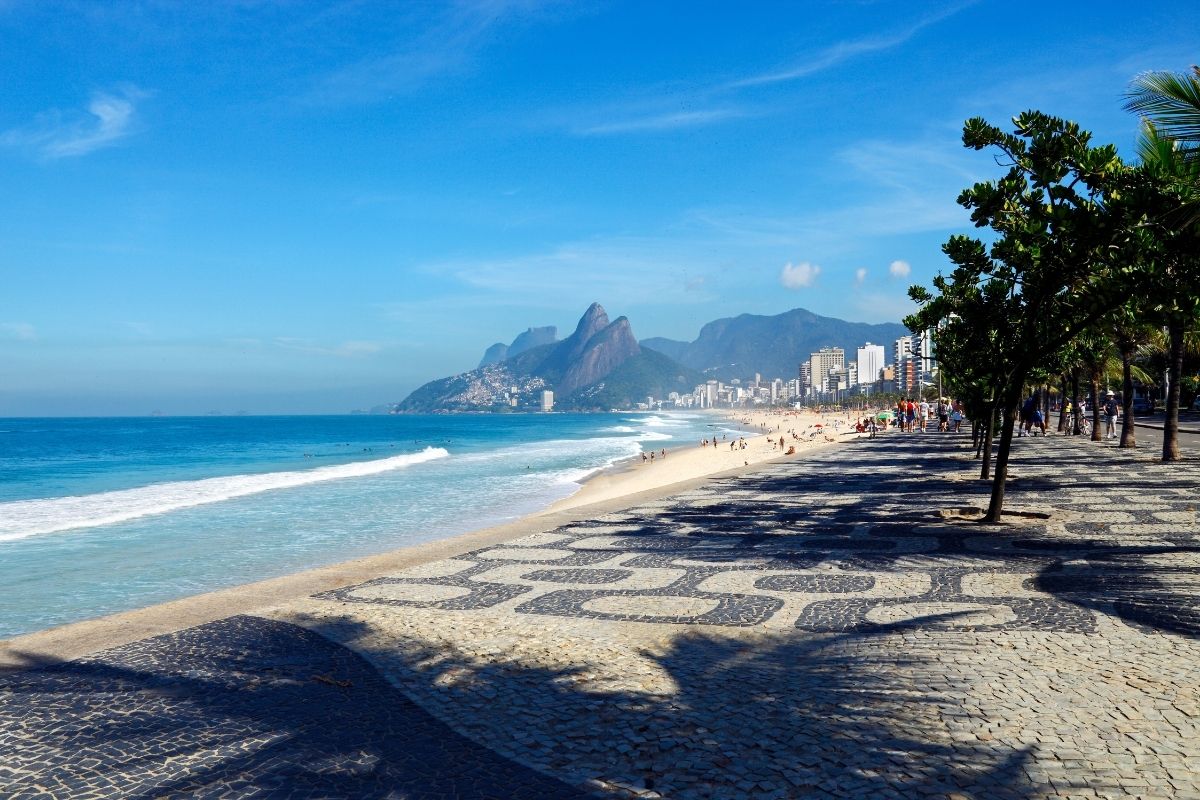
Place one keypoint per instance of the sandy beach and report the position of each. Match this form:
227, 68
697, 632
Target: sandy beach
802, 430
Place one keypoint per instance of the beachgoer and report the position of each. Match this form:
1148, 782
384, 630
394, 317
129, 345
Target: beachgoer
1111, 410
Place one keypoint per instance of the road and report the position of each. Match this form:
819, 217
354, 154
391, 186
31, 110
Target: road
1149, 432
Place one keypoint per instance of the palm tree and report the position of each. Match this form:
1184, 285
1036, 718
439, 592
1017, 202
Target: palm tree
1172, 102
1176, 303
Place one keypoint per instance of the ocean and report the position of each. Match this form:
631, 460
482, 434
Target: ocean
105, 515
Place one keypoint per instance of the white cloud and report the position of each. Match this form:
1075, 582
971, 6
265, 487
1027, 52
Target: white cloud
899, 269
860, 276
109, 118
797, 276
19, 330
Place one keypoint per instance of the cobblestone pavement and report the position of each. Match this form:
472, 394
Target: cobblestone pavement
820, 629
239, 708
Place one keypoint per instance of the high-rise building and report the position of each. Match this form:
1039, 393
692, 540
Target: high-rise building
806, 383
547, 400
825, 360
870, 363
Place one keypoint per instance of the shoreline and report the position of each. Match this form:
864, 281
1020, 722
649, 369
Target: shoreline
762, 430
617, 488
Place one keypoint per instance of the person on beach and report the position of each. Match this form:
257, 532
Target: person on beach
1111, 410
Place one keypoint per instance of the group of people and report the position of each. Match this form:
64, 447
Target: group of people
1033, 418
917, 416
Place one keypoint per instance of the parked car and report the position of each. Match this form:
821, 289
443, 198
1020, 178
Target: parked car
1196, 404
1142, 405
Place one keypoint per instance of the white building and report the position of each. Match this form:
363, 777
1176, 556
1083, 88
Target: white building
871, 361
547, 400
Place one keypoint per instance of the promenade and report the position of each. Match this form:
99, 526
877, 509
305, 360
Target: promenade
826, 627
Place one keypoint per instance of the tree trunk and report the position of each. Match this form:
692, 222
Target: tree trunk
1096, 432
1128, 435
996, 506
1170, 450
1046, 403
986, 472
1062, 405
1075, 431
977, 438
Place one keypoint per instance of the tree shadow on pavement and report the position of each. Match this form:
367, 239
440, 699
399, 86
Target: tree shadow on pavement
242, 707
781, 716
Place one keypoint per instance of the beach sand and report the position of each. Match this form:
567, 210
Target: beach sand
763, 428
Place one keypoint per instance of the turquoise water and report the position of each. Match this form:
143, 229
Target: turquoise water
105, 515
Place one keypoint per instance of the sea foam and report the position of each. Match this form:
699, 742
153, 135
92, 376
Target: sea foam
23, 518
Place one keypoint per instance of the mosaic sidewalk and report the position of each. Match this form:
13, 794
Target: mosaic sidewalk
814, 630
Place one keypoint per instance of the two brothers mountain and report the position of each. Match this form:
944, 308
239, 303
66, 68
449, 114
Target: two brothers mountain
602, 366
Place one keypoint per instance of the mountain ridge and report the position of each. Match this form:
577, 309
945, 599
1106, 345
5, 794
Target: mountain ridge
775, 345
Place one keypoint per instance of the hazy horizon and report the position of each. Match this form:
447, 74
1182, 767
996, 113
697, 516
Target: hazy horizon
313, 209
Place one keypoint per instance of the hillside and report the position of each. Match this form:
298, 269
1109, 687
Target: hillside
774, 346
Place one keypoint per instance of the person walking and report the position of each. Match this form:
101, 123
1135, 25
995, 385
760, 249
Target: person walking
1111, 410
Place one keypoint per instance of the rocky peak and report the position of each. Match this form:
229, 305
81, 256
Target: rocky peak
604, 351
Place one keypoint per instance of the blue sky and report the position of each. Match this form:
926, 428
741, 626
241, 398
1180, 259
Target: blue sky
312, 207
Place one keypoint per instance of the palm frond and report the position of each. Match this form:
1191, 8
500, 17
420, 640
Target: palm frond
1171, 99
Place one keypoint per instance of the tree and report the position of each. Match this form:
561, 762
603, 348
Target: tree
1165, 182
1048, 275
1172, 101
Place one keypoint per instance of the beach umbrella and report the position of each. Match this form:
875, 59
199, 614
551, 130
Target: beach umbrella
884, 415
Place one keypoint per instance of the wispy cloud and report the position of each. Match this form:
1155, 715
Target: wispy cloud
447, 45
899, 269
22, 331
656, 110
661, 122
843, 51
860, 276
109, 118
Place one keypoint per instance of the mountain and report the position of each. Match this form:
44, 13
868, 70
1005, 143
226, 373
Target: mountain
604, 351
598, 367
531, 338
738, 347
494, 354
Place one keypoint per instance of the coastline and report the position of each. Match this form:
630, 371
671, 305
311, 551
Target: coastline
621, 487
762, 431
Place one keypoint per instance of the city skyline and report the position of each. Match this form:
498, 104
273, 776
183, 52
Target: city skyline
313, 208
